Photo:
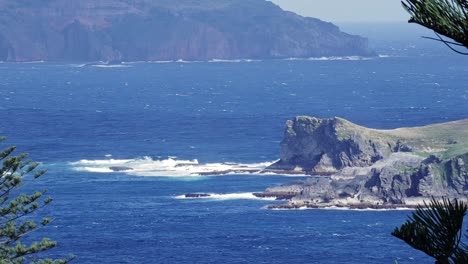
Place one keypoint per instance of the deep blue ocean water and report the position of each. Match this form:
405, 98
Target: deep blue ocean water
78, 120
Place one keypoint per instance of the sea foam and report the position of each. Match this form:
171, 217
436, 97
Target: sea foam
111, 65
227, 196
147, 166
344, 58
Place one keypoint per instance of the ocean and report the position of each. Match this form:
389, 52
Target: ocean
172, 120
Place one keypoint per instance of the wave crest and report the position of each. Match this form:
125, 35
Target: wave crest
226, 196
148, 166
333, 58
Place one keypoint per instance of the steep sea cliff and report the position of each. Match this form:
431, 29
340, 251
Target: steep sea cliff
159, 30
369, 167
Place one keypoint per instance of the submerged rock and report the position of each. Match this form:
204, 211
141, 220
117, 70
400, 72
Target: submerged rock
276, 195
120, 168
197, 195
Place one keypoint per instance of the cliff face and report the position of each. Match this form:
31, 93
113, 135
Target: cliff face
92, 30
323, 146
375, 167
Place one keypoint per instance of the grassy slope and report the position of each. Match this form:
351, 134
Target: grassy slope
445, 140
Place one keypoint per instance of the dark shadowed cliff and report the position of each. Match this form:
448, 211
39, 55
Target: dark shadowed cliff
149, 30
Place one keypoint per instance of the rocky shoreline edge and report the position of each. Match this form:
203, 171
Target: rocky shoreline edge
230, 171
344, 165
292, 204
359, 167
300, 205
364, 206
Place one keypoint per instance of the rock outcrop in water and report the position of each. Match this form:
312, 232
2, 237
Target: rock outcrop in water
152, 30
375, 168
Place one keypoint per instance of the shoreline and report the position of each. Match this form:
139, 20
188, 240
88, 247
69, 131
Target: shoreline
257, 171
214, 60
296, 205
363, 206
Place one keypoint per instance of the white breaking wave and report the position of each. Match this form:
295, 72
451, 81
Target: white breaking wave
347, 58
227, 196
233, 61
111, 65
167, 61
77, 65
148, 166
93, 169
186, 61
32, 62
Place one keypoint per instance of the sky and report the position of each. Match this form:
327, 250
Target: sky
348, 10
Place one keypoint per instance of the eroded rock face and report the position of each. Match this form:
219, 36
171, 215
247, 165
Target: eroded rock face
400, 179
5, 49
325, 146
151, 30
372, 167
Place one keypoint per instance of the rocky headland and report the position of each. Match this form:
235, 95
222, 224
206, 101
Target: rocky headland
359, 167
159, 30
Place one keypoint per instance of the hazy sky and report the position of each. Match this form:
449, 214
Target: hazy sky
348, 10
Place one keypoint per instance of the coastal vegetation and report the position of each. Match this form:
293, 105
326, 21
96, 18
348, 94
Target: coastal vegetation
445, 17
366, 167
311, 144
436, 229
19, 211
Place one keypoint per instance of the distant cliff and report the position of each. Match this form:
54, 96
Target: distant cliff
150, 30
372, 167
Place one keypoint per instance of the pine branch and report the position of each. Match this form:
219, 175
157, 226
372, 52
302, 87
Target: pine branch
445, 17
435, 229
15, 207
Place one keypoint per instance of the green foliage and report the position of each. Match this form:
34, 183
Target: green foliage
445, 17
436, 229
16, 210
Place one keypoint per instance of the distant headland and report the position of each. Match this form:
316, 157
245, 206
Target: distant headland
360, 167
160, 30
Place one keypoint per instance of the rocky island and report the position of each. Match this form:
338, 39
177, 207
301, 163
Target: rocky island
160, 30
359, 167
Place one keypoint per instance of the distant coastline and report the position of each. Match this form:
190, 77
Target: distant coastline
104, 63
118, 30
